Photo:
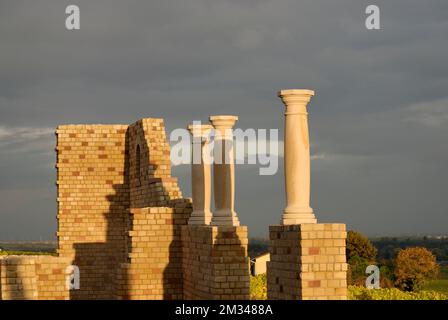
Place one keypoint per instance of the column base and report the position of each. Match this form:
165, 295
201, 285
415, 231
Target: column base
225, 218
298, 217
200, 218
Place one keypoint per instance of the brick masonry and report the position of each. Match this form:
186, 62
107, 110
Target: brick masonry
33, 278
120, 218
216, 265
93, 203
307, 262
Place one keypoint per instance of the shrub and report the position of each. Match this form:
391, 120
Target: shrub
357, 270
360, 253
258, 287
413, 267
362, 293
359, 245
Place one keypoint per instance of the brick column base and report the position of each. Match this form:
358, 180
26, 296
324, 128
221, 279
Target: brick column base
307, 262
215, 263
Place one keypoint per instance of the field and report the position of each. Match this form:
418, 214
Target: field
441, 284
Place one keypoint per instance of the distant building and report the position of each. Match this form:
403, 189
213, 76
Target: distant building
258, 264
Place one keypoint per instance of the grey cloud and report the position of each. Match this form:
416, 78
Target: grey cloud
377, 122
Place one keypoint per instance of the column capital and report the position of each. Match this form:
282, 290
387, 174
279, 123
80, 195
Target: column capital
223, 121
295, 97
200, 130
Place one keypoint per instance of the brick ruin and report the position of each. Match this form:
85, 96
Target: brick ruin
122, 220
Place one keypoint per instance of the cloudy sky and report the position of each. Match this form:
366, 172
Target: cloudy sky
378, 122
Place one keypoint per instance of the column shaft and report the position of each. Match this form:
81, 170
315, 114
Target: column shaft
297, 157
200, 175
224, 172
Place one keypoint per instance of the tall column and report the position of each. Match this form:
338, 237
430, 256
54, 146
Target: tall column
297, 157
224, 172
200, 174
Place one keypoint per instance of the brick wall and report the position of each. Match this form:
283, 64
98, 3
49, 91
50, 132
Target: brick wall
120, 218
120, 210
307, 262
154, 270
93, 203
151, 184
215, 263
33, 278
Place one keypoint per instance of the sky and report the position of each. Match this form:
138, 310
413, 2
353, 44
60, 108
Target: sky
378, 122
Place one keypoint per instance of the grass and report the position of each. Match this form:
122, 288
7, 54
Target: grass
362, 293
258, 287
439, 285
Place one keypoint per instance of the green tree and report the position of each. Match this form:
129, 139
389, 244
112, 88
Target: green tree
360, 246
413, 267
360, 253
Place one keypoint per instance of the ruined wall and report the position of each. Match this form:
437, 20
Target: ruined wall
120, 210
33, 278
215, 263
151, 184
93, 203
154, 262
154, 270
120, 219
307, 262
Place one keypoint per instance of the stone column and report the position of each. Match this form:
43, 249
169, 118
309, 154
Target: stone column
297, 157
224, 172
200, 174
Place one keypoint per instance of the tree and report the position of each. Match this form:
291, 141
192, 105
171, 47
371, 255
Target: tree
360, 254
359, 245
414, 266
356, 272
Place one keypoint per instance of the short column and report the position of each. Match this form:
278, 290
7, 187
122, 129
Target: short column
200, 174
224, 172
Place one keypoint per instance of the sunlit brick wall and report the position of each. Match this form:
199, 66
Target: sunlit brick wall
307, 262
33, 278
93, 203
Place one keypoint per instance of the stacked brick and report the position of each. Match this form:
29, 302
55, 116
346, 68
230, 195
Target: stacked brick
120, 219
150, 166
154, 260
154, 270
307, 262
93, 202
215, 263
33, 278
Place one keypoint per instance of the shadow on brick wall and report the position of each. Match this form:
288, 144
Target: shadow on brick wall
136, 262
99, 262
